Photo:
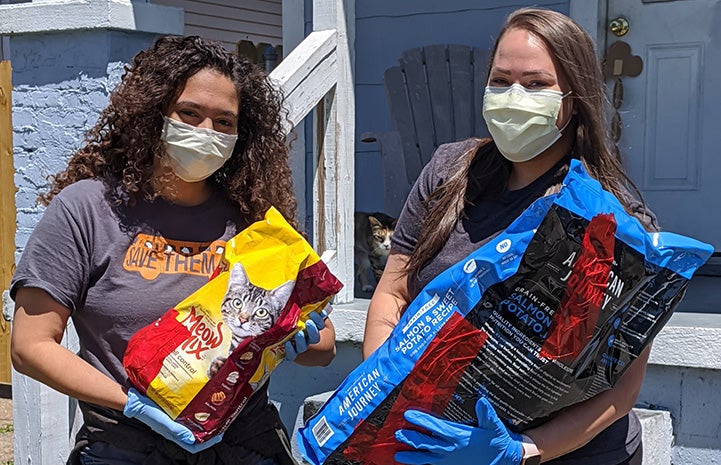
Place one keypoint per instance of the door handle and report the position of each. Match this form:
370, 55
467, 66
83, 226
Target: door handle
619, 26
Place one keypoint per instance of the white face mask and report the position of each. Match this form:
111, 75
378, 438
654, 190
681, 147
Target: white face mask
195, 153
522, 122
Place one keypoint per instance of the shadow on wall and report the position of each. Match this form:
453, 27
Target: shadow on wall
691, 395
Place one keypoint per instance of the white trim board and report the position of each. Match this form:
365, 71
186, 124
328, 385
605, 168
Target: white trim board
65, 15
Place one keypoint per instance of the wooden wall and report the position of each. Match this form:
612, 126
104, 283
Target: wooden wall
7, 210
231, 21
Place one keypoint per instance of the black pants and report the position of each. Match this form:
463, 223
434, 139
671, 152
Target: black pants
636, 458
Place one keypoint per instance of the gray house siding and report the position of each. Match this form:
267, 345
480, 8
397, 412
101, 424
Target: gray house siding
231, 21
386, 29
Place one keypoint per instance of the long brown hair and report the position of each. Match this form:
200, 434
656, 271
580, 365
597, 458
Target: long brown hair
122, 146
483, 172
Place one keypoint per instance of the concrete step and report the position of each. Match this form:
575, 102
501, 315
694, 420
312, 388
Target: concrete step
657, 430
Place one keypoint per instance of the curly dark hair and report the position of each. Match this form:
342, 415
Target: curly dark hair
121, 148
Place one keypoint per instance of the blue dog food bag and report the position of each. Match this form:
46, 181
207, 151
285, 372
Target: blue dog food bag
549, 313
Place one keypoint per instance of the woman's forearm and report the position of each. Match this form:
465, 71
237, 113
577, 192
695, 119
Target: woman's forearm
379, 325
387, 304
36, 350
577, 425
62, 370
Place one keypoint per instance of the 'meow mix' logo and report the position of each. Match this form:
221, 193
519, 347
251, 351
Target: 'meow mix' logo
202, 336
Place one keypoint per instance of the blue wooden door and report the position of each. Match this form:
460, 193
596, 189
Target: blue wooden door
670, 116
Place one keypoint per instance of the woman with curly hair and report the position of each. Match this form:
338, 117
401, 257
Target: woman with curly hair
189, 152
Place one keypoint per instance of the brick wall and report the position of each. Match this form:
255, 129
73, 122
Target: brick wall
61, 82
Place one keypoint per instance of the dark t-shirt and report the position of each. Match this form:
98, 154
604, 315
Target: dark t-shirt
118, 270
119, 275
482, 221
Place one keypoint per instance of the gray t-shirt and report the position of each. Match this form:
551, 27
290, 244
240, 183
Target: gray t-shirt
481, 222
120, 270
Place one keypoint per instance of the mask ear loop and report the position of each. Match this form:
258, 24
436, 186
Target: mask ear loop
570, 117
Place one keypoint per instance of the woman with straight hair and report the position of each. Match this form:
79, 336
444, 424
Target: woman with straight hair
544, 104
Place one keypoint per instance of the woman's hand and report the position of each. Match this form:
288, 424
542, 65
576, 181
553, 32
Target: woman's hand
314, 346
389, 300
449, 443
308, 336
144, 409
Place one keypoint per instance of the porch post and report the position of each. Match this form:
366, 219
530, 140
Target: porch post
293, 34
334, 183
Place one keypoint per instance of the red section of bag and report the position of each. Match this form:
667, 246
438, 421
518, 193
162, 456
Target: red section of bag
148, 348
575, 321
428, 387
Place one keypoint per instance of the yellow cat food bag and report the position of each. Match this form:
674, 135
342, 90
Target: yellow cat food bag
204, 358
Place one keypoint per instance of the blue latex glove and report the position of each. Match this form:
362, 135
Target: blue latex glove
489, 443
304, 338
147, 411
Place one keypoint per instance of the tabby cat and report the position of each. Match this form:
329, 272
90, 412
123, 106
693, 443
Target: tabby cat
248, 310
373, 232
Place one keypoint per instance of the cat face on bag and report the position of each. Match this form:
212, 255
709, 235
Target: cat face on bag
249, 310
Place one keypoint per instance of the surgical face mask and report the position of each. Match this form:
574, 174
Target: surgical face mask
522, 122
195, 153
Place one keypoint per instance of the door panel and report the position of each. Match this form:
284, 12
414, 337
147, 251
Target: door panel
671, 117
670, 158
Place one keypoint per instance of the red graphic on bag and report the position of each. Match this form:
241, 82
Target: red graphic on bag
575, 321
428, 388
